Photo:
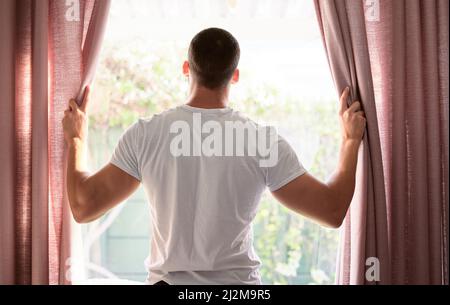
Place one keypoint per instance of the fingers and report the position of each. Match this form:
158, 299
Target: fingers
360, 113
86, 98
73, 106
354, 107
343, 100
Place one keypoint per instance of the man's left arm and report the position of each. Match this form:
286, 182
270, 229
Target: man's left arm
90, 196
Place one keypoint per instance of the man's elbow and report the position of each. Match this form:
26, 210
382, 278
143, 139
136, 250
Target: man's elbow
334, 222
335, 217
80, 213
80, 218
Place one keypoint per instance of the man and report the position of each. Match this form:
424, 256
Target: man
204, 200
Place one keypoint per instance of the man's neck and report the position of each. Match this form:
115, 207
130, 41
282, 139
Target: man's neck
201, 97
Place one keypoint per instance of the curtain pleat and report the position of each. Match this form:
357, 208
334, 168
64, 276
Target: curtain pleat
39, 135
443, 67
7, 150
22, 137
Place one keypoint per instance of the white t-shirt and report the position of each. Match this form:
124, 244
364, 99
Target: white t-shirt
202, 203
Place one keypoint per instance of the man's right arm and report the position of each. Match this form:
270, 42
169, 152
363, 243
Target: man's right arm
327, 203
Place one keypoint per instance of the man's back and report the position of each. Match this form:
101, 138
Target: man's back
203, 194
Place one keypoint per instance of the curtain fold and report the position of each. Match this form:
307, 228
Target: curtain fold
397, 65
410, 48
39, 155
45, 61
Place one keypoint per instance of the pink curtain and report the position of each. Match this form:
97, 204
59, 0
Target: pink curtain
48, 54
394, 54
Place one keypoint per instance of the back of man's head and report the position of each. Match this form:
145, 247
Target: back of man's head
213, 57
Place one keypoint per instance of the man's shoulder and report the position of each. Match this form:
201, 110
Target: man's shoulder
247, 120
158, 117
240, 116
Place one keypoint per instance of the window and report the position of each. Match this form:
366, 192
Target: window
285, 81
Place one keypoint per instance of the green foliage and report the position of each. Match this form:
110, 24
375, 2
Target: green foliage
132, 84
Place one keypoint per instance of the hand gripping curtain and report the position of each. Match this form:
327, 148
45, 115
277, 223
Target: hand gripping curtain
394, 55
48, 55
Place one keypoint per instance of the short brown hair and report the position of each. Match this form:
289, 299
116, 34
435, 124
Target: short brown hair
213, 57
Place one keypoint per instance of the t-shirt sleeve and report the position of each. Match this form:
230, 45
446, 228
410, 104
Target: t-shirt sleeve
125, 155
286, 169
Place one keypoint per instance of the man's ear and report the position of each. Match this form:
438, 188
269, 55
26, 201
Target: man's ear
186, 68
235, 77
